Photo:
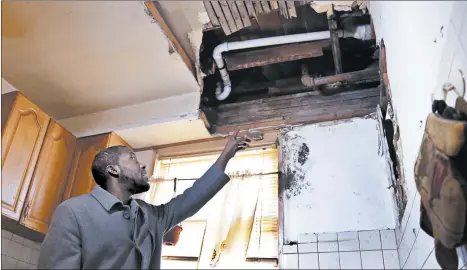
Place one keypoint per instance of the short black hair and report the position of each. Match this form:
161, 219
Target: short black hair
104, 158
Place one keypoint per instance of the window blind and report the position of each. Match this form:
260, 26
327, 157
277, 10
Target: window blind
255, 165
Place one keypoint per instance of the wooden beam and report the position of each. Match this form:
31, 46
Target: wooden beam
152, 8
277, 54
243, 13
228, 16
295, 109
235, 14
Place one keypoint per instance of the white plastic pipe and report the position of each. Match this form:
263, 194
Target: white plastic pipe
223, 92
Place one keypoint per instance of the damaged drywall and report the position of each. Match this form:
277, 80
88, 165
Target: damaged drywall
335, 179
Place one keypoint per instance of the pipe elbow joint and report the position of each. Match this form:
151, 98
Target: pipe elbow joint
224, 93
217, 53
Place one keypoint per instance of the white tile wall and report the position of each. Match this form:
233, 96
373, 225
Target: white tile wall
415, 247
18, 252
344, 250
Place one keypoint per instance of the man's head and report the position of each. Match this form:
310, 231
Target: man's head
119, 163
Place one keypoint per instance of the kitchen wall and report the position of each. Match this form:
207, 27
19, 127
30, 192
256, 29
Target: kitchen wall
18, 252
426, 43
338, 210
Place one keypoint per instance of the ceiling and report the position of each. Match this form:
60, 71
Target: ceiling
73, 58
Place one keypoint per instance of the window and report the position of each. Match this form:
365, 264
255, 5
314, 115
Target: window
238, 226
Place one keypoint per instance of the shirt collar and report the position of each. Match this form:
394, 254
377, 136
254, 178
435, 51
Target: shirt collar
106, 199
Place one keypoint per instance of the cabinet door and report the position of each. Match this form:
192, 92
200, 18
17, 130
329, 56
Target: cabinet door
80, 180
49, 178
117, 140
22, 139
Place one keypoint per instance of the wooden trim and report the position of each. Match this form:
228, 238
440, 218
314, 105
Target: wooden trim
152, 8
281, 206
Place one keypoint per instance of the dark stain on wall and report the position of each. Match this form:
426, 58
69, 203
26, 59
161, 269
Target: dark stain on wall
295, 156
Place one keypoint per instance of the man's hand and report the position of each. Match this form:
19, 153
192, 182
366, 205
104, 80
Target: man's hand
234, 145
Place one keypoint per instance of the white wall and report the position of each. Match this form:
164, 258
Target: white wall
340, 185
424, 44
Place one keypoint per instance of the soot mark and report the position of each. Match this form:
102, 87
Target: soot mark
297, 152
303, 154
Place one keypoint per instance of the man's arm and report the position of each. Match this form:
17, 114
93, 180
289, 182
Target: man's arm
203, 190
61, 248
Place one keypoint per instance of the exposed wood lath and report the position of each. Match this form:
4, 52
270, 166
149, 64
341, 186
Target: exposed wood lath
233, 16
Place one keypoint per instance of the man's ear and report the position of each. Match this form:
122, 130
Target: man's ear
113, 170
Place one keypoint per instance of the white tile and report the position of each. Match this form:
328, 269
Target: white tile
307, 238
411, 231
388, 239
458, 15
420, 251
347, 236
349, 245
290, 249
25, 254
463, 35
13, 249
289, 261
34, 257
23, 265
32, 244
329, 260
431, 262
18, 239
308, 248
411, 196
372, 259
308, 261
327, 237
6, 234
391, 259
328, 247
8, 262
350, 260
369, 240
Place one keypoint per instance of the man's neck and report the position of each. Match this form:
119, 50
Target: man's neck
115, 189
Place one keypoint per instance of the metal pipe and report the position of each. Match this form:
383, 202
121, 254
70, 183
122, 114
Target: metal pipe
223, 92
310, 81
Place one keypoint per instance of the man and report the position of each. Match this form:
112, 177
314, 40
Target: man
107, 229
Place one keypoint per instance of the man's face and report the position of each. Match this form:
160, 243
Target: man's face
132, 173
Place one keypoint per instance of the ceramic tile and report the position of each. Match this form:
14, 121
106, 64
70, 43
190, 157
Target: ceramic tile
329, 260
328, 247
308, 261
347, 236
289, 261
327, 237
388, 239
290, 249
6, 234
307, 238
350, 260
308, 248
372, 259
391, 259
349, 245
431, 262
369, 240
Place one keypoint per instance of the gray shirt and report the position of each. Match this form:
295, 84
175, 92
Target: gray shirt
97, 231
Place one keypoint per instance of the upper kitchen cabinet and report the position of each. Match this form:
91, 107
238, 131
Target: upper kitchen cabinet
23, 132
49, 178
80, 179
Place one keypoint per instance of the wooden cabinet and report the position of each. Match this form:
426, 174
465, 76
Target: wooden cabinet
80, 180
49, 178
22, 137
